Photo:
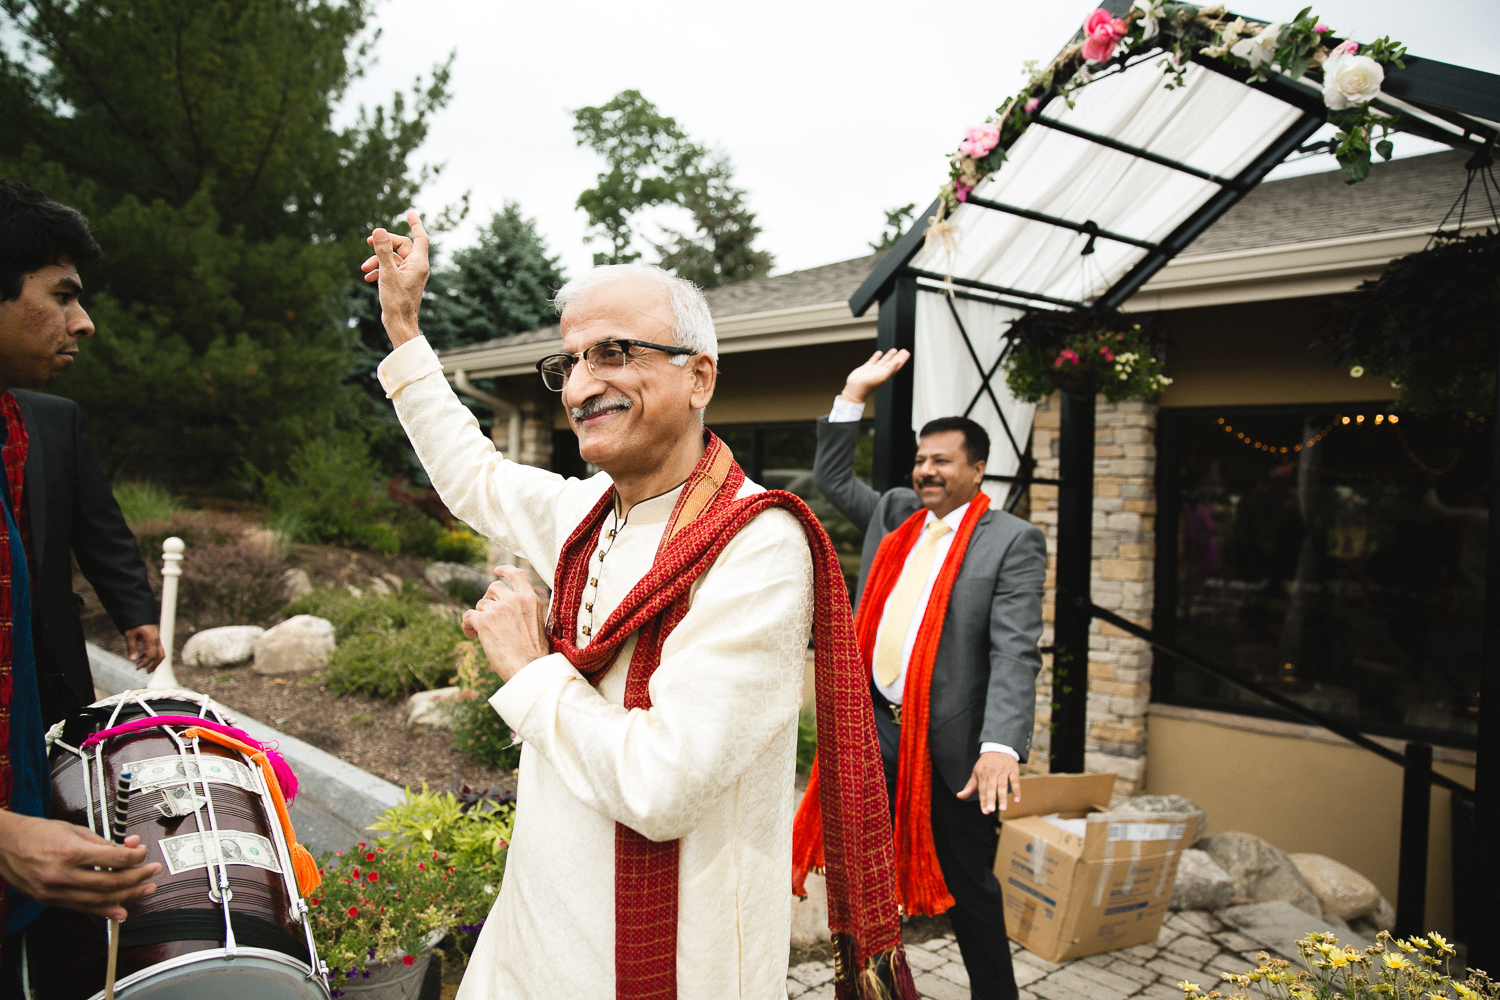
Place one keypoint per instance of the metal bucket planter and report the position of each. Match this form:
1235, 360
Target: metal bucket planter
388, 981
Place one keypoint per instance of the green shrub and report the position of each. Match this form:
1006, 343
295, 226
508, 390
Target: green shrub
460, 545
352, 616
334, 496
143, 501
393, 663
478, 730
234, 582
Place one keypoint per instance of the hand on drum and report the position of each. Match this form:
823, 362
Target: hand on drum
510, 622
57, 864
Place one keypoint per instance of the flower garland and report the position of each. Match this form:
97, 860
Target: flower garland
1351, 79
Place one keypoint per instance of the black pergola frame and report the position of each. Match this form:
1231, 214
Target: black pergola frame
1465, 98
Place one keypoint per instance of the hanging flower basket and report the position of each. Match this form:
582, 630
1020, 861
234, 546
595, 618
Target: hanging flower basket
1428, 324
1084, 352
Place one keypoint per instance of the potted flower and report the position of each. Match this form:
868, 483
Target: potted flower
1084, 352
1428, 325
385, 904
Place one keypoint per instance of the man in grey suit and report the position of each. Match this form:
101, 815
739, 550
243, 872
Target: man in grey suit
983, 683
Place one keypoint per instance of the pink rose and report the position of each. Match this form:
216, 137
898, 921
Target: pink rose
1344, 49
961, 190
1320, 28
1102, 32
981, 140
1030, 106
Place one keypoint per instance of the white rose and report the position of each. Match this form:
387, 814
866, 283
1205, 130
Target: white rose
1350, 81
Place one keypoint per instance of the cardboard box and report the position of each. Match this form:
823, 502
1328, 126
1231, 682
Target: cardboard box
1068, 895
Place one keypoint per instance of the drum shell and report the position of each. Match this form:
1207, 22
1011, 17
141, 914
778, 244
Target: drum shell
68, 950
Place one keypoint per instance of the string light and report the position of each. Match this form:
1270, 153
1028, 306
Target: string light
1354, 420
1271, 449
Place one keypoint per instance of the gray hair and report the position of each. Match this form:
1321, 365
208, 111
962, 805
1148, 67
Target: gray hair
695, 325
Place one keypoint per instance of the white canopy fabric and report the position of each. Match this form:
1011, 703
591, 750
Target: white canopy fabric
1212, 123
946, 382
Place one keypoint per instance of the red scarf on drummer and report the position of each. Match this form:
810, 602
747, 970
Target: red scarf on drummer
862, 908
13, 455
919, 879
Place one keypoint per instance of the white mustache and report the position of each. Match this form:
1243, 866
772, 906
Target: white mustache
598, 405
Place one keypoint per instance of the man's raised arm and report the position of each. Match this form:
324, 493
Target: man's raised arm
514, 504
833, 467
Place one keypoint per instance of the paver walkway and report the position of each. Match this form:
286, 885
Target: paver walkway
1194, 946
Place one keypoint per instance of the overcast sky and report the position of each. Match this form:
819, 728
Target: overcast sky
830, 112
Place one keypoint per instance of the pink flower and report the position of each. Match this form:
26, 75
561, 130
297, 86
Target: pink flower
1108, 354
1321, 28
1030, 106
980, 141
353, 911
1344, 49
1102, 33
961, 190
407, 960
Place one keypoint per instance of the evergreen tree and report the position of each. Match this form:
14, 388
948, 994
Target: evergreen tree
199, 139
896, 221
501, 286
652, 162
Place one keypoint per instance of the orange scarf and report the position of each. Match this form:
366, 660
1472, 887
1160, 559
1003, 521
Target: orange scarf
919, 879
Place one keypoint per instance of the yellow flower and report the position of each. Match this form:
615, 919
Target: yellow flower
1186, 986
1464, 993
1443, 947
1395, 961
1406, 947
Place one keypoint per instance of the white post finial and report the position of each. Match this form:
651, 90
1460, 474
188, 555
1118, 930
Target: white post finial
171, 569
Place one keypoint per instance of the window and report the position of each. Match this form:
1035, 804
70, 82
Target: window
780, 457
1335, 555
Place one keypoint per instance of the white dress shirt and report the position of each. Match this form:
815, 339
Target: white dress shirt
846, 412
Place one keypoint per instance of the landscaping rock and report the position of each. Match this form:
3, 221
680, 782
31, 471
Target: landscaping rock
463, 582
296, 646
221, 647
1277, 925
1260, 870
1342, 891
810, 915
432, 709
1153, 804
1201, 884
1382, 918
397, 584
295, 583
379, 587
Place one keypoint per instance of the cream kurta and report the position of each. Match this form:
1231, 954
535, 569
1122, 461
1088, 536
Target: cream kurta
710, 763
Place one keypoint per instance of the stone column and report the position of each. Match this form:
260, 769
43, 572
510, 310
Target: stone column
1123, 565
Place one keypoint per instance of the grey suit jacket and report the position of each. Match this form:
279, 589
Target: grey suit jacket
984, 677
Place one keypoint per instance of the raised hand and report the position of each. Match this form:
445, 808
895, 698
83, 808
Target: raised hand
399, 269
873, 374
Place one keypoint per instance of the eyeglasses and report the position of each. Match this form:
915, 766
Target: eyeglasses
605, 359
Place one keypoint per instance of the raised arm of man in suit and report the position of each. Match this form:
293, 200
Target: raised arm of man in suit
833, 468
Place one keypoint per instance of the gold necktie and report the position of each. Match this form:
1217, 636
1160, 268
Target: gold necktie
902, 604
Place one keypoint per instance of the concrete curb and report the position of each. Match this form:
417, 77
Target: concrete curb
336, 797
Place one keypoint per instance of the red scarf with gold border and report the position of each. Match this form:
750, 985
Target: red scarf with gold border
855, 827
919, 878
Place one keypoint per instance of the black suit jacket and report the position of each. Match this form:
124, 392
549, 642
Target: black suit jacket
984, 675
73, 513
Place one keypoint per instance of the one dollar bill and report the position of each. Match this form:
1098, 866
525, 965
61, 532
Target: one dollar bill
159, 772
195, 850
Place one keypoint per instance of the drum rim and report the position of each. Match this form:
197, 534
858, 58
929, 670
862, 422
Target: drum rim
199, 957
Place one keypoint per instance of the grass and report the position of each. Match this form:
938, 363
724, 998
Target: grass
143, 502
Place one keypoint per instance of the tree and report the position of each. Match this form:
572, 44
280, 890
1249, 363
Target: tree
896, 221
199, 139
652, 162
502, 285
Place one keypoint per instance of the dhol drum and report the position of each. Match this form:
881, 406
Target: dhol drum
227, 919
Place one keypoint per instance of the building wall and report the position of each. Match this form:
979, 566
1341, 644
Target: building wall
1124, 550
1304, 790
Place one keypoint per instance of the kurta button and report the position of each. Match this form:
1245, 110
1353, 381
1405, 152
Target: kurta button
594, 582
585, 630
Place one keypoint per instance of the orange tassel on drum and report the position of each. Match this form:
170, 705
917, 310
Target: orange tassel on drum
306, 870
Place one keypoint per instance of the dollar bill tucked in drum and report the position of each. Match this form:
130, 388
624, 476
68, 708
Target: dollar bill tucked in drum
227, 904
199, 850
157, 772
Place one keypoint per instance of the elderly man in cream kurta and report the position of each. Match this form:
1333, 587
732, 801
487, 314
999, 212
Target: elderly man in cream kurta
711, 762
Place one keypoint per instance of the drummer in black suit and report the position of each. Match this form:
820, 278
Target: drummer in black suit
42, 862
